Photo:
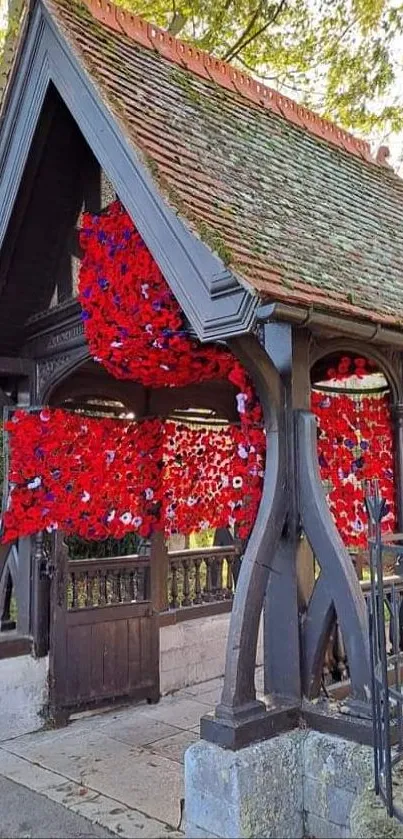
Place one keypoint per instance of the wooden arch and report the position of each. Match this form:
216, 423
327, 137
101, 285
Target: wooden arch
337, 586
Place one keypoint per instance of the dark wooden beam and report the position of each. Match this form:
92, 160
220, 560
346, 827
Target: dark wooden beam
159, 566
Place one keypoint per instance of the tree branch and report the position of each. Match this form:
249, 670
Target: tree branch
228, 55
241, 42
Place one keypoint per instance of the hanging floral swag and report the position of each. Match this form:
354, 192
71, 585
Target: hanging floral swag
100, 478
355, 444
103, 477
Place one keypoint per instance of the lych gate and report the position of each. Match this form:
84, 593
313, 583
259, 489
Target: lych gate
206, 214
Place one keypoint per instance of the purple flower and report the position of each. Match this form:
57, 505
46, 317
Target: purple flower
85, 315
103, 283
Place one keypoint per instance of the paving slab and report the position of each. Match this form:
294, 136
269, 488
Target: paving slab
138, 730
204, 687
174, 747
180, 711
120, 771
96, 808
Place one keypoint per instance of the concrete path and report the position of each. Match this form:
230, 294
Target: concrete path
27, 815
121, 770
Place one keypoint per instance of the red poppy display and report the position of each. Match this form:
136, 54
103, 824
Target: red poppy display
132, 321
108, 478
103, 477
355, 444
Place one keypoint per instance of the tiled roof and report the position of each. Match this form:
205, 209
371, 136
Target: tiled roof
296, 206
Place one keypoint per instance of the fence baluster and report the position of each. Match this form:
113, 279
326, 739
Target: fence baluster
341, 657
229, 590
186, 601
198, 595
174, 602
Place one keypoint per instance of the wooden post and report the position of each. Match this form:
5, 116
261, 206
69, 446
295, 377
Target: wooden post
282, 657
159, 572
41, 598
301, 399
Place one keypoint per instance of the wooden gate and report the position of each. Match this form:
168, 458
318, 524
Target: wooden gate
104, 637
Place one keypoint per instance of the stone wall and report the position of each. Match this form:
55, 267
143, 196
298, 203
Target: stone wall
194, 651
23, 695
300, 784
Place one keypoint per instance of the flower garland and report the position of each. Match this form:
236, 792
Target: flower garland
355, 444
349, 366
132, 321
102, 477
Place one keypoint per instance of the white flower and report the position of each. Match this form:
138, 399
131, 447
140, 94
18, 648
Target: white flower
237, 482
53, 526
137, 521
144, 290
242, 451
225, 480
35, 483
110, 456
116, 344
149, 493
85, 497
84, 429
111, 515
149, 328
44, 416
241, 400
204, 525
191, 501
126, 518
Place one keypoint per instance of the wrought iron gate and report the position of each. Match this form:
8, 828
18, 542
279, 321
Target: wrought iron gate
104, 637
385, 622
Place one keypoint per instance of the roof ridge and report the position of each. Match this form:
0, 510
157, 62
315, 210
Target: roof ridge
209, 67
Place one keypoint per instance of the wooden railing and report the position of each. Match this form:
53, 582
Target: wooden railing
205, 575
335, 669
112, 580
190, 578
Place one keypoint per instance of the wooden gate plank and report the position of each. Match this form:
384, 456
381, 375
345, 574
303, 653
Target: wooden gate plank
78, 663
100, 652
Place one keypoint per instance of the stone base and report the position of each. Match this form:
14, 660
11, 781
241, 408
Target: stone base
299, 784
256, 791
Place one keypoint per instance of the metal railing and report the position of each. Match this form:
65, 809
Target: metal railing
385, 614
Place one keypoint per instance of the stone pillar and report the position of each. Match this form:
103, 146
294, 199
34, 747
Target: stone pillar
253, 792
302, 783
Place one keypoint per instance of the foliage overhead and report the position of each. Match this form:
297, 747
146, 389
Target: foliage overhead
339, 57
